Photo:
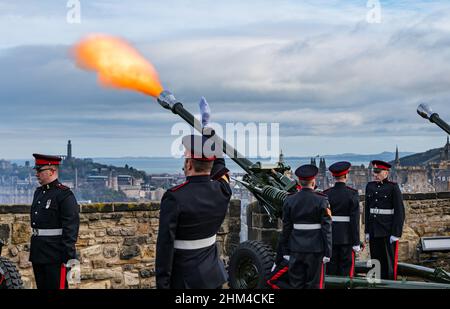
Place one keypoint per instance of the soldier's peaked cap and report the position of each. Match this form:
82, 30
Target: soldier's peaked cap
200, 147
340, 168
43, 160
307, 172
381, 165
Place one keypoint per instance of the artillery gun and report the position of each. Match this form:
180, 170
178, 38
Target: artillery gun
251, 262
9, 276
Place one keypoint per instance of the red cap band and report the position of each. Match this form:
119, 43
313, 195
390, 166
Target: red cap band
341, 173
380, 166
46, 162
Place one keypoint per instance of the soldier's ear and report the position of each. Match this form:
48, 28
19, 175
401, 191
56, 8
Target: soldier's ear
189, 164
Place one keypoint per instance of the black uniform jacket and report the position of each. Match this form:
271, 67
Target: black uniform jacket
384, 195
192, 211
54, 207
305, 207
344, 202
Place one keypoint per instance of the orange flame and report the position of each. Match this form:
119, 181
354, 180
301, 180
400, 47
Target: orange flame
117, 64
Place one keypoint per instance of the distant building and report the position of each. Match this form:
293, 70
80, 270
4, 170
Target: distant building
125, 180
69, 151
358, 177
322, 179
412, 179
434, 176
98, 180
5, 165
281, 157
15, 191
156, 195
445, 155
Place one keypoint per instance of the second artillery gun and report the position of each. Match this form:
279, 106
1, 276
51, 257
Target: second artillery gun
252, 260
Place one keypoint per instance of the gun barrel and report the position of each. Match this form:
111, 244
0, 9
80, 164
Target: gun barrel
441, 123
168, 101
426, 112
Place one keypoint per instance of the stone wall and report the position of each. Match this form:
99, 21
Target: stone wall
427, 214
116, 242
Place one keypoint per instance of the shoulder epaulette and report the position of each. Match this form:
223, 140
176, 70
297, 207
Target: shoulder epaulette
178, 187
226, 177
62, 187
326, 190
353, 189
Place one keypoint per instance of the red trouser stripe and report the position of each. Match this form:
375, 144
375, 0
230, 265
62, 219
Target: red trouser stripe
277, 275
62, 278
321, 278
352, 269
395, 260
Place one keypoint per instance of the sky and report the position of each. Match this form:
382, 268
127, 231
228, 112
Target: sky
334, 80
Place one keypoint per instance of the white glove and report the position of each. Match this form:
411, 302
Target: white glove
286, 257
393, 239
326, 259
205, 111
367, 237
356, 248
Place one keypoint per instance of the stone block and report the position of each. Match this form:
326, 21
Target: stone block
110, 251
131, 279
21, 233
104, 284
4, 233
129, 252
91, 251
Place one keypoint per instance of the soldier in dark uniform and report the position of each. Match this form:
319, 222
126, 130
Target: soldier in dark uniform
344, 204
191, 215
306, 236
55, 223
384, 217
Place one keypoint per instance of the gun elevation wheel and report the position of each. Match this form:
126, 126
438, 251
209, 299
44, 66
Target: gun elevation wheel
250, 265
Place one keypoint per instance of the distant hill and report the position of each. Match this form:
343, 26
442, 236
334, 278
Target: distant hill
355, 159
422, 158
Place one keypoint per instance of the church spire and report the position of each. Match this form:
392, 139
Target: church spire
447, 150
397, 157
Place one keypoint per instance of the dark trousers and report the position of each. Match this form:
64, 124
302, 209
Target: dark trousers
342, 261
48, 276
387, 254
306, 270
